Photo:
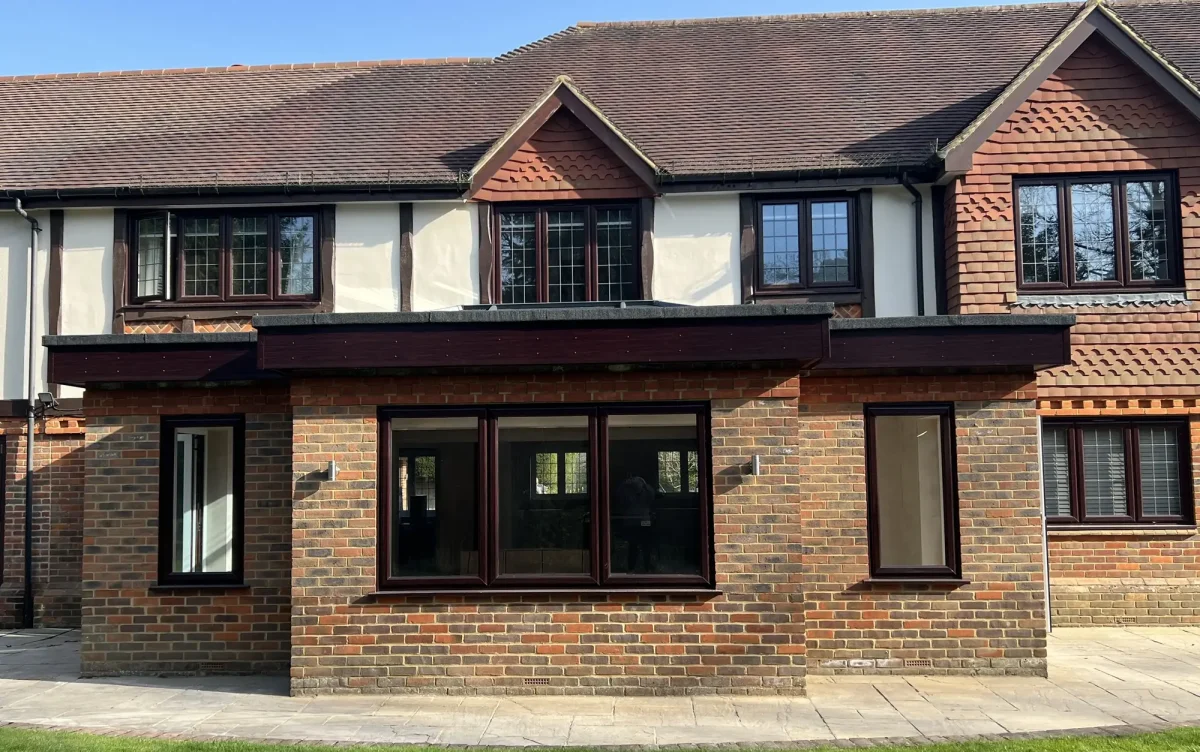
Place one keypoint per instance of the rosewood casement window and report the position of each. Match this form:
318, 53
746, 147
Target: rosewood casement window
201, 487
568, 253
807, 244
1117, 472
912, 493
557, 497
224, 256
1098, 232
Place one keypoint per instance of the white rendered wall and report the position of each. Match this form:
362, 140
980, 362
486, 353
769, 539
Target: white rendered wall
366, 258
14, 260
895, 262
445, 255
87, 267
696, 250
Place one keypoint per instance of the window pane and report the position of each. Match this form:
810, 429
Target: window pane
1056, 472
202, 257
1158, 449
830, 241
1041, 255
296, 261
545, 506
435, 497
654, 495
1093, 234
1104, 471
151, 257
615, 257
250, 255
518, 258
908, 477
1146, 216
202, 539
781, 244
565, 238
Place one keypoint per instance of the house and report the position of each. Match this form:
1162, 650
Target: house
662, 357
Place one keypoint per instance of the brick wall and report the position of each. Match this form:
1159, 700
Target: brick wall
993, 624
128, 625
748, 639
57, 522
1098, 113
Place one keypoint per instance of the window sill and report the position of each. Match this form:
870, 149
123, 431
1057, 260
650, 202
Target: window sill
474, 592
948, 581
173, 310
1129, 531
170, 587
807, 296
1085, 298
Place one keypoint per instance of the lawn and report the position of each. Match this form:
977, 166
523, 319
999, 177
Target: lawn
22, 740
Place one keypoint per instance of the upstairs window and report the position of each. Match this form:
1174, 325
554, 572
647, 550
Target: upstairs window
807, 244
237, 256
1117, 472
568, 253
1098, 232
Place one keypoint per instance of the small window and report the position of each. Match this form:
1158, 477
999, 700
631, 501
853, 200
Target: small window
1114, 472
201, 490
552, 497
912, 494
807, 243
1091, 233
567, 254
221, 257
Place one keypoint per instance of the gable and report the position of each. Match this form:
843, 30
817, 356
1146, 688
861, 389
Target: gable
563, 160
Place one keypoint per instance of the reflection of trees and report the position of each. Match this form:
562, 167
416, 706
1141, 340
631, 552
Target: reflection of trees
1146, 215
1094, 233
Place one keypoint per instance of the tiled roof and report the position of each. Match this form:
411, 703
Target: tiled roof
703, 97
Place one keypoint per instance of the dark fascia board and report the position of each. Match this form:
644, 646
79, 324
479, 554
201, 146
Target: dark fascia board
992, 342
152, 358
646, 336
172, 198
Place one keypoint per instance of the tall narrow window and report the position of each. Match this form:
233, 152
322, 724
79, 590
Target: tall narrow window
807, 243
1107, 472
201, 257
567, 254
912, 496
297, 263
250, 254
152, 257
1098, 232
201, 488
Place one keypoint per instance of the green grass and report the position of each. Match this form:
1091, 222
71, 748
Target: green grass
23, 740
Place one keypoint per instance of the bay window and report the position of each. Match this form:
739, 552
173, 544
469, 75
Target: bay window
567, 253
200, 519
1097, 232
1117, 472
224, 256
545, 497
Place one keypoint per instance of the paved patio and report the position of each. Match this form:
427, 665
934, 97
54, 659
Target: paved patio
1111, 679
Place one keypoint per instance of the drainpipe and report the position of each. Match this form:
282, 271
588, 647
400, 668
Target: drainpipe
920, 243
27, 601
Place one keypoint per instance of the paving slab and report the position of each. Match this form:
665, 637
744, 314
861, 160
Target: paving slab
1108, 679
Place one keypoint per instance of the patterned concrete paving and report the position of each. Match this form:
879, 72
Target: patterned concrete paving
1100, 678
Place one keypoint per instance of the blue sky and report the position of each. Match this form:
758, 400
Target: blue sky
93, 35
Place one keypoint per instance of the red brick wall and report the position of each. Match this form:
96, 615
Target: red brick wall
57, 523
128, 625
993, 624
1097, 113
748, 639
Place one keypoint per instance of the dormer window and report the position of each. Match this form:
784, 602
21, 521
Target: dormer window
220, 257
567, 253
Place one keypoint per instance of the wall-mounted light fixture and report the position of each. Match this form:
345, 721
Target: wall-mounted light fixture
331, 473
756, 465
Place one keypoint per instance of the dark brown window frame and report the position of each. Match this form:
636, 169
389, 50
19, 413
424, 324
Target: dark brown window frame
952, 567
1123, 282
591, 268
226, 298
1133, 472
487, 511
166, 502
803, 200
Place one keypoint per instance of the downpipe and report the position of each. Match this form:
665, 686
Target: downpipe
920, 225
27, 605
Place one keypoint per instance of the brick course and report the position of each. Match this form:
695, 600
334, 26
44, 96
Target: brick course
129, 626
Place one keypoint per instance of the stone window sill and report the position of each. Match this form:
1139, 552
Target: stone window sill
1142, 531
475, 592
171, 587
948, 581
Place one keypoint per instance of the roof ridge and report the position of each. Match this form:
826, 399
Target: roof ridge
346, 65
951, 11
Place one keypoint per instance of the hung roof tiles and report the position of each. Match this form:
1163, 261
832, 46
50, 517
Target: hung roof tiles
702, 97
